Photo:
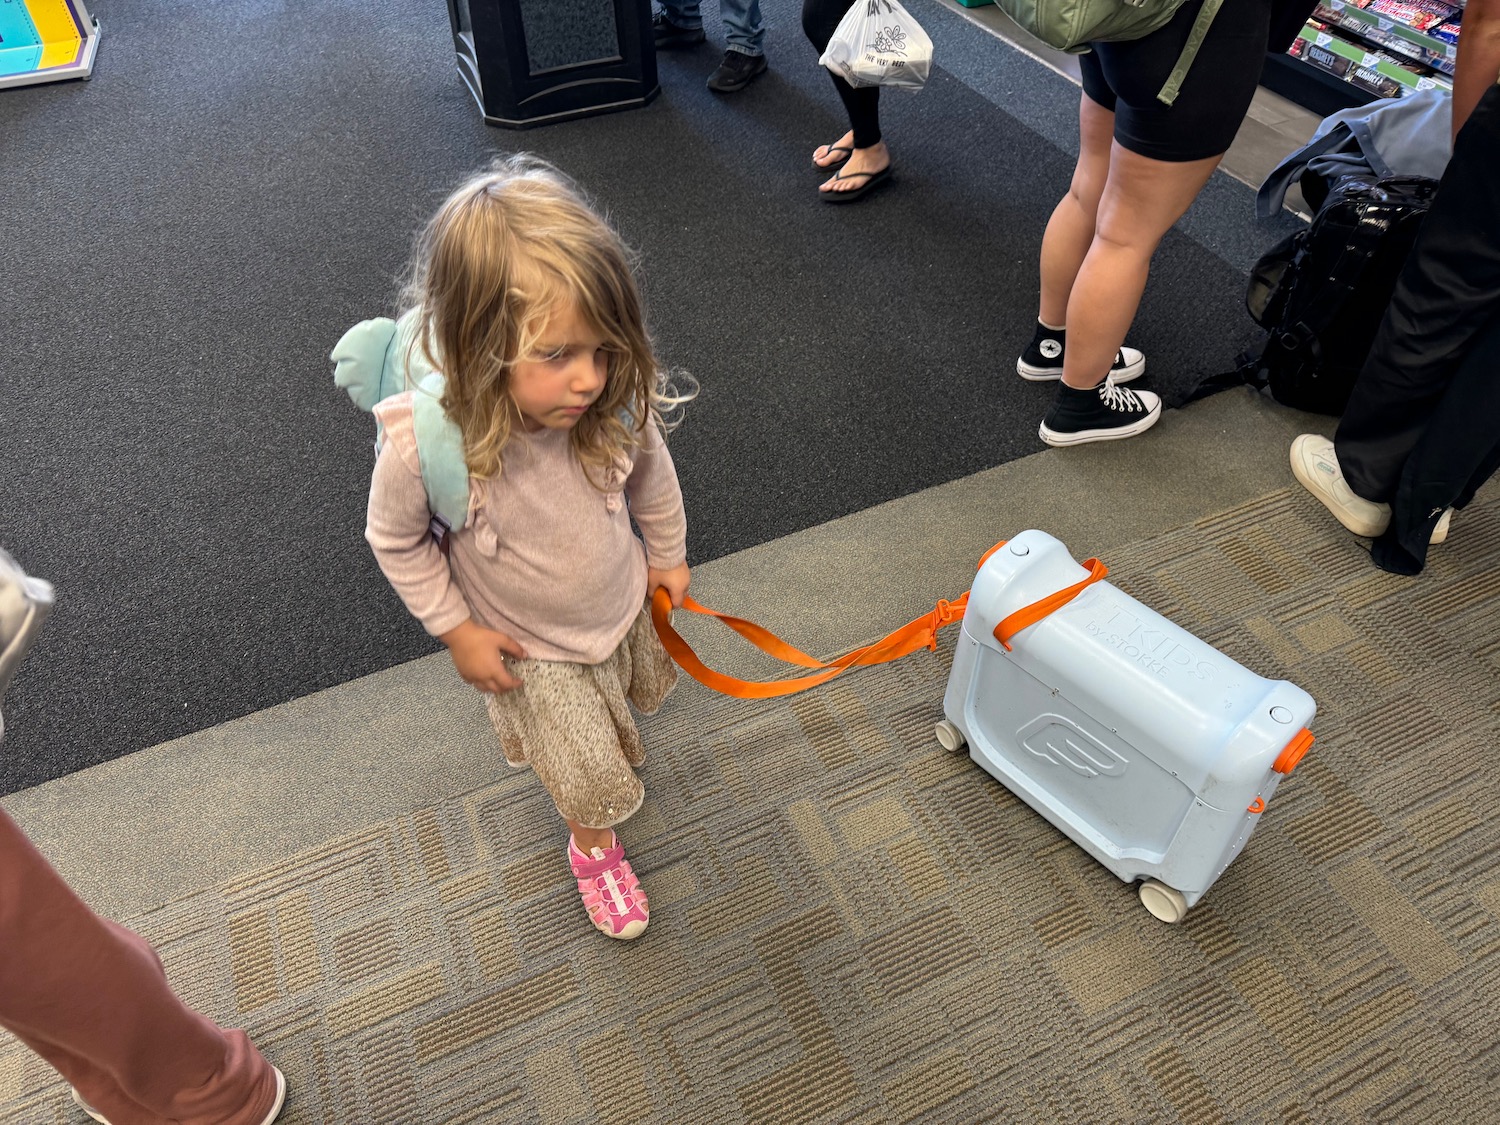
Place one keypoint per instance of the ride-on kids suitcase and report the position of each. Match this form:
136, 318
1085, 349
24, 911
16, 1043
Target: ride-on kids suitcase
1154, 751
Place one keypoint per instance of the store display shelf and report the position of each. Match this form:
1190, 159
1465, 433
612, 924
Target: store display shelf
1315, 90
1368, 61
1351, 15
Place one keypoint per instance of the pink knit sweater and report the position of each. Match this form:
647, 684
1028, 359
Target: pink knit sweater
544, 557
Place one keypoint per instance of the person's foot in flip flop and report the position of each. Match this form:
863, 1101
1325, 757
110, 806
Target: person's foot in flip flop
865, 170
831, 156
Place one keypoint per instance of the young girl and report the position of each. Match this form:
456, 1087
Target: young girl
527, 304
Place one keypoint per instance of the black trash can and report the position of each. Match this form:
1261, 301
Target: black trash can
535, 62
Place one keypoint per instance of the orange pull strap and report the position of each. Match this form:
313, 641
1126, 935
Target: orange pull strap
1029, 615
918, 633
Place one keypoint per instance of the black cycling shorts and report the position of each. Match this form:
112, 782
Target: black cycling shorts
1126, 77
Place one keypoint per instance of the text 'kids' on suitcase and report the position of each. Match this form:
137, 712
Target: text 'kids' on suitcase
1152, 750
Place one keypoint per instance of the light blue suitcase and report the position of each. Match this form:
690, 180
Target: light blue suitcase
1154, 751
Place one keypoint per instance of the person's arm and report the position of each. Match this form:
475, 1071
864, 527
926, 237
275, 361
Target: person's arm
396, 524
1478, 65
656, 505
396, 529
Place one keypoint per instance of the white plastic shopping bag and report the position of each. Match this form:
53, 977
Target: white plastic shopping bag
877, 43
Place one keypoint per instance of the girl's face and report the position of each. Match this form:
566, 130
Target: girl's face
560, 380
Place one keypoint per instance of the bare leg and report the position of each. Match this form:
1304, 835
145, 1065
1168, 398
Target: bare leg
1070, 231
1142, 199
590, 838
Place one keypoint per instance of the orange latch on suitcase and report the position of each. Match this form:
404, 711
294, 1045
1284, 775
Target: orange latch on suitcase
1300, 744
1286, 761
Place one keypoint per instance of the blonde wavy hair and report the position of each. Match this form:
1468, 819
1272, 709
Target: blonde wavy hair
503, 253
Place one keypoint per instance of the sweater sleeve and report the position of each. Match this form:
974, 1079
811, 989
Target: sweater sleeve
656, 503
396, 527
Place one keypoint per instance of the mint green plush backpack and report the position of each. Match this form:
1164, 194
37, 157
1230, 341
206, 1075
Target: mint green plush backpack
1071, 25
375, 360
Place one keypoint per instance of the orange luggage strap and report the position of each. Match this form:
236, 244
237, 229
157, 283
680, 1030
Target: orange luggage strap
921, 632
1031, 614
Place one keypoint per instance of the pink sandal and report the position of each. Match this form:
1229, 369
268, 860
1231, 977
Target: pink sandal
611, 893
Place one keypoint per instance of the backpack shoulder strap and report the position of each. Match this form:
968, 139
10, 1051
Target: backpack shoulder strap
440, 448
379, 358
1248, 372
1199, 32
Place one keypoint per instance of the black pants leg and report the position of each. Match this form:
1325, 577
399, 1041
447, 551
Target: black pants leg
1458, 451
820, 18
1447, 294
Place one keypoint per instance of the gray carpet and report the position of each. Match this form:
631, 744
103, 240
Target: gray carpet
851, 924
251, 792
189, 232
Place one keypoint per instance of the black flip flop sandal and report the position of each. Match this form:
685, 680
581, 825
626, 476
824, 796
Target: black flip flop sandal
848, 152
873, 180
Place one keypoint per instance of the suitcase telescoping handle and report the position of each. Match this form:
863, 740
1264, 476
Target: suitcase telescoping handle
920, 632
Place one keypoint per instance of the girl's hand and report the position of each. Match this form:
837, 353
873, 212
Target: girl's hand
674, 582
479, 655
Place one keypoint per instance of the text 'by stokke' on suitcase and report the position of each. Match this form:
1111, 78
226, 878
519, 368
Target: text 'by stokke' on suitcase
1154, 751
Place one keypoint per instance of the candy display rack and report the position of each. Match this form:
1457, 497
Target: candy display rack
1354, 51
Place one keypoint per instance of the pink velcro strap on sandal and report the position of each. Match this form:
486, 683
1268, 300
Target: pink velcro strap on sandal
588, 867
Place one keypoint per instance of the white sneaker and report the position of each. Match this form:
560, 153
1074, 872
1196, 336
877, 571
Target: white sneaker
24, 605
1440, 532
1317, 467
1315, 464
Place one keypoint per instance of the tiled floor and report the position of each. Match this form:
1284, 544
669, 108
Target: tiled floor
1273, 128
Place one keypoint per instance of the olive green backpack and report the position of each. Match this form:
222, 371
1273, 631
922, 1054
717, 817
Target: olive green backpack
1071, 25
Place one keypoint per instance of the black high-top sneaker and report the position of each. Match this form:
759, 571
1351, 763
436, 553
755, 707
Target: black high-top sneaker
1043, 358
1103, 413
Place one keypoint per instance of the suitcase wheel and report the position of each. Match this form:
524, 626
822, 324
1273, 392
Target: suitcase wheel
1163, 901
950, 736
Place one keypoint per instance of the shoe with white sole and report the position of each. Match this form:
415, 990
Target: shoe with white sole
1102, 413
611, 893
1042, 361
270, 1117
1316, 466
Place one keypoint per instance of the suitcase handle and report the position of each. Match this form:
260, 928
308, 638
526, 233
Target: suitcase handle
920, 632
1029, 615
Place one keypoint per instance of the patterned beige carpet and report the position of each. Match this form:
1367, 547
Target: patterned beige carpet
852, 925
